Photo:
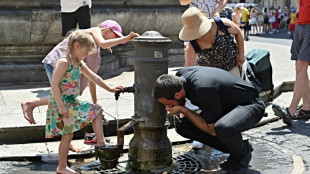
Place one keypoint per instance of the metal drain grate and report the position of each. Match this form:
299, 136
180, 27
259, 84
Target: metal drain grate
186, 164
117, 170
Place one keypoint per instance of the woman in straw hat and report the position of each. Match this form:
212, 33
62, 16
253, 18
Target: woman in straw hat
215, 47
213, 44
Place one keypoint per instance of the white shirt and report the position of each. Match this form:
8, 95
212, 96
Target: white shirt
207, 6
69, 6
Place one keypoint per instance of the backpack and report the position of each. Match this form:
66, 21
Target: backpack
259, 71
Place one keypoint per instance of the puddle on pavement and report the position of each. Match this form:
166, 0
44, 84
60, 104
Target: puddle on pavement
185, 160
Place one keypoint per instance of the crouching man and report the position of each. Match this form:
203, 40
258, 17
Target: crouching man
229, 106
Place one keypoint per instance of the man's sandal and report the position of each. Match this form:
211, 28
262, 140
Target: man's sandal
301, 114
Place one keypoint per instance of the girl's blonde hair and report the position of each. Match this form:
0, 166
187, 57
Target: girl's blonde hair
84, 39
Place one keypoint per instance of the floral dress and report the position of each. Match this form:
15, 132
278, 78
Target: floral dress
81, 113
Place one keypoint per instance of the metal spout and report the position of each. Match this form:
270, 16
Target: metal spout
121, 132
130, 89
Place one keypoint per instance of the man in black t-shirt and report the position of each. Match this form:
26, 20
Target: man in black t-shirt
229, 106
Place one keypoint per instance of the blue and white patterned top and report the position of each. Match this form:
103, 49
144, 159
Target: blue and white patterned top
207, 6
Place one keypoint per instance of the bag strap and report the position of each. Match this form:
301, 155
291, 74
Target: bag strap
195, 46
221, 25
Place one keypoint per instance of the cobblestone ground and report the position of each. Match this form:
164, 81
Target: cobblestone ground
293, 141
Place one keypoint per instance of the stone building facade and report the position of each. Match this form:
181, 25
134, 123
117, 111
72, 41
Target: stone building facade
31, 28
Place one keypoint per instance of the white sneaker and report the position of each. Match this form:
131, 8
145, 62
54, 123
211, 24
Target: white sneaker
270, 32
197, 144
289, 32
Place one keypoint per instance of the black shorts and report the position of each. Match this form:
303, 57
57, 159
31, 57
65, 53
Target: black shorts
81, 17
246, 26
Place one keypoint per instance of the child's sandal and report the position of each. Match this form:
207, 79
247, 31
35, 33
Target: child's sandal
104, 120
90, 138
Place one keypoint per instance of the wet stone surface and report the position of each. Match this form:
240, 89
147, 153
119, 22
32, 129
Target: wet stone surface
278, 149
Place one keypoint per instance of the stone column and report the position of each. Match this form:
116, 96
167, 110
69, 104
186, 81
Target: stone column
150, 148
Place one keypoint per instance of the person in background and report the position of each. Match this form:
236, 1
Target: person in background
75, 12
253, 21
271, 19
245, 23
207, 7
260, 20
229, 13
266, 21
300, 51
210, 8
236, 16
275, 25
292, 22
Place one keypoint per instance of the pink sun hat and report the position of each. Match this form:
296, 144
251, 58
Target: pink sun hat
114, 26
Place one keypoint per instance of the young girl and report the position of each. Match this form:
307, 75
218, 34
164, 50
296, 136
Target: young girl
106, 35
66, 112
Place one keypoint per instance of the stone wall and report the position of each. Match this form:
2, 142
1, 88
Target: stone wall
31, 28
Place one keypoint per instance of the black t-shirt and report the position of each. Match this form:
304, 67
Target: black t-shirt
216, 92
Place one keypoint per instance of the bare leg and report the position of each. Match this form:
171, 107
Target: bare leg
28, 106
301, 88
98, 129
63, 155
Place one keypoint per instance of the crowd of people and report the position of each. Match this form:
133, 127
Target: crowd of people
214, 101
259, 20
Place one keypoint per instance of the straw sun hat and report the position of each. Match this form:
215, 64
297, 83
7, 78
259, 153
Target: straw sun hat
195, 24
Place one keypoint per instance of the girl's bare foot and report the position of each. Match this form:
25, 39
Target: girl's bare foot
100, 144
28, 112
66, 170
74, 149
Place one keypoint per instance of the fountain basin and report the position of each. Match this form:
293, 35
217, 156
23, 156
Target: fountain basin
109, 155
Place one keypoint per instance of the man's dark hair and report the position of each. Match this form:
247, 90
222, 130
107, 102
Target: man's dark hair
166, 86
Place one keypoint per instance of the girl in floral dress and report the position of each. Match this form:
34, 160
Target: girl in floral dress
67, 112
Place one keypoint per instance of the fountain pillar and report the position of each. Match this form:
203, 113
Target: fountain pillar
150, 148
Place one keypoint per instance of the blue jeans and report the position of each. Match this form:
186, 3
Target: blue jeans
228, 129
49, 72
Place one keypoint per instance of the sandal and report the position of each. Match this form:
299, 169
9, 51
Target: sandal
302, 114
282, 113
104, 120
90, 138
287, 118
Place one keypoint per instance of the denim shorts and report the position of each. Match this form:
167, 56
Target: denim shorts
49, 72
